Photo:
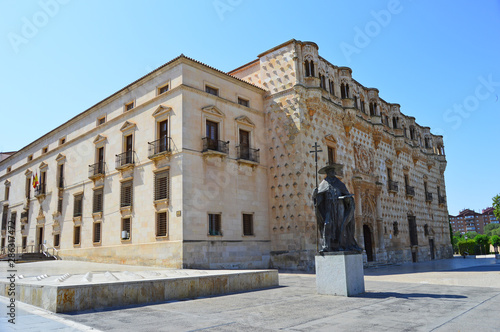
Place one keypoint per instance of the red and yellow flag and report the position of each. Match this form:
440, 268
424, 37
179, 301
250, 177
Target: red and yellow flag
35, 180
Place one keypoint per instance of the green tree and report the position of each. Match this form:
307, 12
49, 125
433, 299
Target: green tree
495, 242
483, 241
496, 206
491, 229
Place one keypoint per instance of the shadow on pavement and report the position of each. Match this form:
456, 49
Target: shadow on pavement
407, 296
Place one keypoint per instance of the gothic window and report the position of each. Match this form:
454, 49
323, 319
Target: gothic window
322, 83
344, 90
362, 102
394, 122
373, 109
309, 67
355, 101
332, 87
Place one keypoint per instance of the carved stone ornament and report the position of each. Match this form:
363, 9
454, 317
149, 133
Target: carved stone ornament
314, 104
364, 159
377, 137
348, 121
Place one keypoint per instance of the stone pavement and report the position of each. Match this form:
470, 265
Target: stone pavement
446, 295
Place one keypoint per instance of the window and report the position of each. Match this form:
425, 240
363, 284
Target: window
162, 89
78, 205
344, 90
57, 240
247, 224
161, 185
161, 224
394, 122
331, 155
426, 230
309, 67
30, 157
97, 232
214, 224
395, 228
362, 102
355, 101
129, 106
373, 109
27, 188
332, 87
211, 90
98, 201
322, 82
76, 235
60, 203
45, 150
101, 120
60, 171
24, 242
4, 216
62, 141
3, 243
243, 102
126, 193
7, 192
126, 229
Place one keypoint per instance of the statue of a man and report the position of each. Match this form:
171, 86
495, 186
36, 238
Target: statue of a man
334, 207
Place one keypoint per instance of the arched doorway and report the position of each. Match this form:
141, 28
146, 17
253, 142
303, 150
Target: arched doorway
367, 235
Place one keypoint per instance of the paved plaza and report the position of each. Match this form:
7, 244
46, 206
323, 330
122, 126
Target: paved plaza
446, 295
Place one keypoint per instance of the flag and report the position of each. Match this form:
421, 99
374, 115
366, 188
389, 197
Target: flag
35, 180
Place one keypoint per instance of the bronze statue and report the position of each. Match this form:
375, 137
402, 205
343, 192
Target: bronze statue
334, 207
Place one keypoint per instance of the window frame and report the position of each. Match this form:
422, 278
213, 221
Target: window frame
251, 223
212, 87
214, 225
75, 233
122, 229
95, 225
161, 87
157, 225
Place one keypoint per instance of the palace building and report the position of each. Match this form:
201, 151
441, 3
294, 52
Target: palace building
193, 167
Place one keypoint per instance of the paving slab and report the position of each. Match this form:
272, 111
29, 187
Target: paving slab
447, 295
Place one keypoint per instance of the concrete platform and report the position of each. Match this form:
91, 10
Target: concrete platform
64, 286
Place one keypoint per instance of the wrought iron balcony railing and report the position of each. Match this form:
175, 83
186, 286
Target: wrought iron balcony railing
210, 144
410, 191
428, 197
125, 159
441, 199
160, 146
247, 153
97, 169
393, 186
40, 189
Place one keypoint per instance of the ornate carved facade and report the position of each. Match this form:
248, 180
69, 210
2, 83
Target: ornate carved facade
393, 165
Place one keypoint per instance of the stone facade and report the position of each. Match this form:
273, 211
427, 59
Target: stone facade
244, 202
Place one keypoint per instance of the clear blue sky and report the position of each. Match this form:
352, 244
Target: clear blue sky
439, 59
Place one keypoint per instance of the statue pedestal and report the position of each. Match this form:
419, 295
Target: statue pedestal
340, 273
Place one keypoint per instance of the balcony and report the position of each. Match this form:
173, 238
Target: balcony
40, 190
393, 186
213, 146
97, 170
125, 160
159, 148
410, 191
248, 154
441, 199
428, 197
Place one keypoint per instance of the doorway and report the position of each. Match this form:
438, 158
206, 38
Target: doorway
431, 248
39, 238
367, 234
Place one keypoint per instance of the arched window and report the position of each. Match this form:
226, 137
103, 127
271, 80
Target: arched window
362, 102
332, 87
355, 101
309, 66
394, 122
373, 109
344, 90
322, 82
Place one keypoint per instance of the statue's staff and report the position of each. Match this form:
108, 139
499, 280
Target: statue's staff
316, 146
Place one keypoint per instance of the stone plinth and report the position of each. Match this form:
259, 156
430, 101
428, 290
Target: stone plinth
340, 273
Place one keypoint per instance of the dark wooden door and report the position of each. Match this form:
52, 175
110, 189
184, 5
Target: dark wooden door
244, 144
128, 149
163, 133
212, 135
367, 234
